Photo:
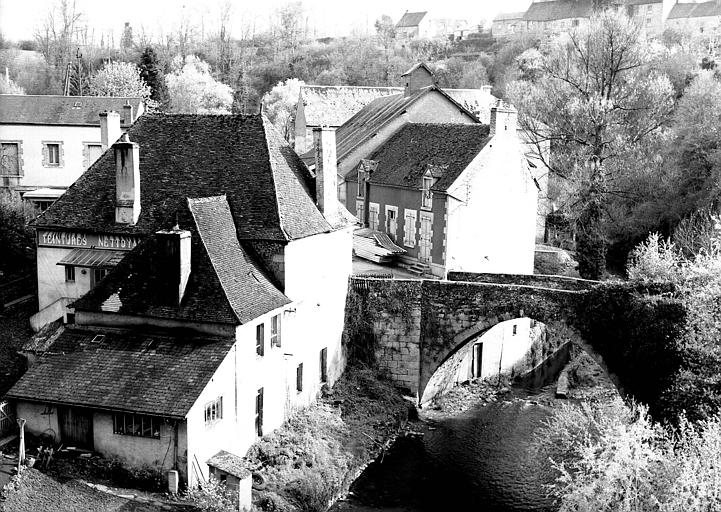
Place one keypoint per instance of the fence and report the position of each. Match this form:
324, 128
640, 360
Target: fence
7, 419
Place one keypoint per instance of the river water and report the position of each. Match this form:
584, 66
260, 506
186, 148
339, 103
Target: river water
482, 458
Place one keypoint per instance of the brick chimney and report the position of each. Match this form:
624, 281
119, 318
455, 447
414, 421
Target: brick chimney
504, 119
128, 113
173, 263
326, 170
109, 128
127, 181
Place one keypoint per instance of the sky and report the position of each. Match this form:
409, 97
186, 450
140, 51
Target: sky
19, 18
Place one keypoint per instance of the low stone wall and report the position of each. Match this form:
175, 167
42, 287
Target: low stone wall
547, 281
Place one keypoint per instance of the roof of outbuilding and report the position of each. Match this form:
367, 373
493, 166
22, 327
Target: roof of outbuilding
559, 10
231, 464
62, 110
366, 123
444, 149
507, 16
270, 192
125, 372
411, 19
694, 10
333, 105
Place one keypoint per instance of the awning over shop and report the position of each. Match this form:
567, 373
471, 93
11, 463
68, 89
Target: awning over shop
92, 258
44, 193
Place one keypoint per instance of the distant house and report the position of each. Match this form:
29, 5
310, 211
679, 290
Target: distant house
413, 25
507, 23
330, 105
704, 17
222, 309
47, 142
454, 196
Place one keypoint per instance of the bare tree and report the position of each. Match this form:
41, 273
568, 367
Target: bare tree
57, 36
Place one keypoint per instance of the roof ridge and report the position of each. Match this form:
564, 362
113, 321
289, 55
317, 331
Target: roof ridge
271, 161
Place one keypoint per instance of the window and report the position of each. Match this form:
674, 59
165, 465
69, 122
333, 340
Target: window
136, 425
427, 197
299, 377
41, 206
324, 365
260, 339
98, 275
92, 153
69, 274
373, 216
10, 159
53, 154
515, 331
392, 221
360, 209
275, 331
214, 410
409, 229
361, 185
259, 413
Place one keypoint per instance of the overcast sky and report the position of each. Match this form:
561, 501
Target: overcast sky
19, 18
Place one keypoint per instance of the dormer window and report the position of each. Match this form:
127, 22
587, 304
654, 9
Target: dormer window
427, 195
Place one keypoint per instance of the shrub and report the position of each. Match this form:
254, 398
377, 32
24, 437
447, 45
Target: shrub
313, 492
655, 260
212, 496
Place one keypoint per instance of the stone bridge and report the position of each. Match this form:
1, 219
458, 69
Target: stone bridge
416, 325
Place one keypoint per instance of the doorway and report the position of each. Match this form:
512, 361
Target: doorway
477, 365
425, 244
76, 427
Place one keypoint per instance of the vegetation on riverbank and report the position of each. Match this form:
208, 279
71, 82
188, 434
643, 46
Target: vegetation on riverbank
319, 451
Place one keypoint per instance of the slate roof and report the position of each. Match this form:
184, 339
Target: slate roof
508, 16
444, 149
248, 290
693, 10
62, 110
411, 19
334, 105
125, 372
270, 192
225, 286
559, 10
366, 123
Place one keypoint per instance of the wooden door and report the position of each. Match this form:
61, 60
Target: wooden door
391, 224
477, 366
424, 250
76, 427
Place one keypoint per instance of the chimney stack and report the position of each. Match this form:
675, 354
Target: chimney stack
174, 263
326, 170
127, 181
504, 119
128, 113
109, 128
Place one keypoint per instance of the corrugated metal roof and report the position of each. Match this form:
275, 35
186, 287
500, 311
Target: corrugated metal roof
92, 258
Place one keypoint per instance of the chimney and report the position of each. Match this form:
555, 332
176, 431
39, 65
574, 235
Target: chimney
486, 89
109, 128
504, 119
128, 113
326, 170
127, 181
173, 264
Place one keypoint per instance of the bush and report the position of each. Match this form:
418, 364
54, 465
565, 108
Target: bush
313, 492
655, 260
212, 496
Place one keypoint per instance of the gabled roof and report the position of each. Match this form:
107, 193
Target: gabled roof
62, 110
366, 123
270, 192
225, 286
443, 149
125, 372
411, 19
559, 10
246, 287
509, 16
418, 66
693, 10
333, 105
477, 101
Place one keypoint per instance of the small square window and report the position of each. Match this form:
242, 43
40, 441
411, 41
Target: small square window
69, 274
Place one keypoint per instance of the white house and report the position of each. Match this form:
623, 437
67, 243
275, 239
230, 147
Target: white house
47, 142
224, 316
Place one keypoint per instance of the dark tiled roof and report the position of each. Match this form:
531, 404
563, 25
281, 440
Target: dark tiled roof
366, 123
61, 110
127, 371
411, 19
445, 149
246, 287
185, 156
508, 16
693, 10
559, 10
334, 105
